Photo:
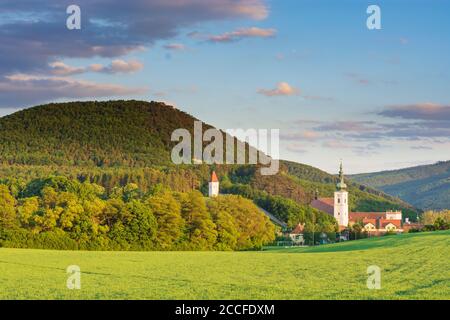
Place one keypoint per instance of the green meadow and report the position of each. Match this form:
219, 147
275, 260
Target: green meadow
413, 266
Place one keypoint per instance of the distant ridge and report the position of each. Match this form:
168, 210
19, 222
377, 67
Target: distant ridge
425, 186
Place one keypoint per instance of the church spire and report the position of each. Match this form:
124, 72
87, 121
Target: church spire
341, 185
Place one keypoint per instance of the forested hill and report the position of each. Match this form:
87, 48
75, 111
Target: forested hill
426, 187
103, 134
115, 143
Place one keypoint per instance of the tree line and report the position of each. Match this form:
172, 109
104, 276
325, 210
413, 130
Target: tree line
62, 213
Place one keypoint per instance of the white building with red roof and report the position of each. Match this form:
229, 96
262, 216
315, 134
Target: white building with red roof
377, 222
213, 186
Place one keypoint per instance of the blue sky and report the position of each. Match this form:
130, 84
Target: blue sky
378, 99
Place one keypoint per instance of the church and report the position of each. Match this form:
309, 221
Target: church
373, 222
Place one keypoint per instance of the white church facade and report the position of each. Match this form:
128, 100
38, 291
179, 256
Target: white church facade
376, 222
340, 208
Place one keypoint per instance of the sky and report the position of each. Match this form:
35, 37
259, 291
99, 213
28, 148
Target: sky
377, 99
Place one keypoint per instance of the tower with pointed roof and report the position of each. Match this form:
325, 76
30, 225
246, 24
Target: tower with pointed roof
213, 190
341, 200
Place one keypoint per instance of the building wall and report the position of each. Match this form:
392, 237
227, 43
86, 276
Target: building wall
341, 207
213, 189
393, 215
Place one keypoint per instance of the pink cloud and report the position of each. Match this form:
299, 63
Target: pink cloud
418, 111
59, 68
239, 34
118, 66
282, 89
309, 135
19, 89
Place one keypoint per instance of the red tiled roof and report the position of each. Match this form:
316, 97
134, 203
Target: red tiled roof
372, 221
384, 223
358, 216
214, 177
324, 204
298, 229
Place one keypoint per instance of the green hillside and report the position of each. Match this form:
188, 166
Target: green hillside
426, 187
413, 266
103, 134
117, 143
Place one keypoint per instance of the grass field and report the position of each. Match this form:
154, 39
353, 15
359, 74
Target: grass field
413, 266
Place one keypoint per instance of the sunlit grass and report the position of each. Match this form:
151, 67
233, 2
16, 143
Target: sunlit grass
414, 266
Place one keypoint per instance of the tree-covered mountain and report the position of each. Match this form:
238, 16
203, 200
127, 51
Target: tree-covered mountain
426, 187
102, 134
115, 143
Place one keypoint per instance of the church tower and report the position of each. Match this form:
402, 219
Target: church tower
213, 190
341, 201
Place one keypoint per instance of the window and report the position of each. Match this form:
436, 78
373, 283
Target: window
339, 200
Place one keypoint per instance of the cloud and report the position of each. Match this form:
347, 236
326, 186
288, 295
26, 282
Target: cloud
109, 29
357, 148
239, 34
118, 66
285, 89
282, 89
59, 68
370, 131
422, 111
296, 148
349, 126
336, 144
20, 89
302, 135
368, 149
421, 148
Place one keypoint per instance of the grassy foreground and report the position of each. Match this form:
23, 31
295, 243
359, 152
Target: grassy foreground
414, 266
